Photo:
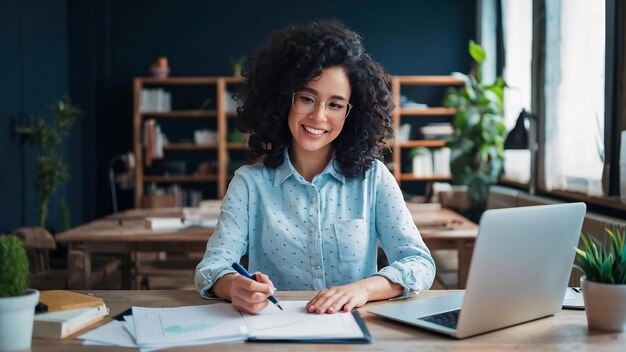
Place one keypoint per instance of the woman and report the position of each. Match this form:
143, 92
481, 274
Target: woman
310, 214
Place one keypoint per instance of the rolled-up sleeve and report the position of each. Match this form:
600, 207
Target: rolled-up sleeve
229, 242
411, 264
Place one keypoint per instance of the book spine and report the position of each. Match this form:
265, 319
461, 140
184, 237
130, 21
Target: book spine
48, 329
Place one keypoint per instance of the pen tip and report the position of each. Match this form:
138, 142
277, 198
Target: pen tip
281, 308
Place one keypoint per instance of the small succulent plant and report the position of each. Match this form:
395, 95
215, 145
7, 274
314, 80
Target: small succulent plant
602, 265
13, 266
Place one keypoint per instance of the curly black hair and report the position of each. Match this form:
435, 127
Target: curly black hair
293, 57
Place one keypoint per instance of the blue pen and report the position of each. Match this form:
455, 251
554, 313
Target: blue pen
241, 270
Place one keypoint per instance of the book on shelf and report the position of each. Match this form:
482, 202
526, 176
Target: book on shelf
153, 141
435, 162
422, 162
59, 300
60, 324
437, 131
155, 100
441, 162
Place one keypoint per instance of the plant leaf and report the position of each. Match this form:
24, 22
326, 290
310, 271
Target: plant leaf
477, 52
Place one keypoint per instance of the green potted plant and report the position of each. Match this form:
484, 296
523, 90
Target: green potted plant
477, 146
604, 281
50, 170
17, 302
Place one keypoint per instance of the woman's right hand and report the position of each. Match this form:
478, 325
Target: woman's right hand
251, 296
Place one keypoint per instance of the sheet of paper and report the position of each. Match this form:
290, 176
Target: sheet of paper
296, 323
129, 325
573, 298
157, 326
111, 333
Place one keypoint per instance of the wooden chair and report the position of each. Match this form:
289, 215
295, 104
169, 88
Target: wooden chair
164, 271
38, 242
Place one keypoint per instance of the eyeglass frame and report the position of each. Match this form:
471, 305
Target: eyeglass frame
317, 103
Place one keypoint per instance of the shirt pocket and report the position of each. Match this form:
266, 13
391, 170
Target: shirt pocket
352, 239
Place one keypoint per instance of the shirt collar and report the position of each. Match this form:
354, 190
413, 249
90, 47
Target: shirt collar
286, 169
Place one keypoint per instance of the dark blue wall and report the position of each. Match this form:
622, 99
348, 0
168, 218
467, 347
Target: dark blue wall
33, 74
93, 49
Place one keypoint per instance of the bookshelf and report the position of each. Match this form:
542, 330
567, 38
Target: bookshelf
214, 116
413, 116
228, 154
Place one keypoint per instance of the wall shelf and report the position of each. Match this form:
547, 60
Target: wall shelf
398, 83
215, 88
189, 146
180, 178
220, 89
423, 143
179, 114
411, 177
436, 111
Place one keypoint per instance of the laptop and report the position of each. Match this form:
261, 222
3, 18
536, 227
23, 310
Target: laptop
519, 272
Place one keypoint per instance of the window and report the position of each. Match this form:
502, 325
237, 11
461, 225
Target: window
574, 95
517, 23
567, 58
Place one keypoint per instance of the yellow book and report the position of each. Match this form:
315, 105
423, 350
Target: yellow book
59, 325
57, 300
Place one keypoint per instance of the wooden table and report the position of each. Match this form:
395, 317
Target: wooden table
565, 331
444, 229
122, 234
125, 233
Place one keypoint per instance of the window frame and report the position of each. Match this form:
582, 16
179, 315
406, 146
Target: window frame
615, 107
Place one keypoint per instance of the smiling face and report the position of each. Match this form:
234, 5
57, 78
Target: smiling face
312, 133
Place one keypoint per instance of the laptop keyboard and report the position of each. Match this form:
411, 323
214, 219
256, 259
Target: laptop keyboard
447, 319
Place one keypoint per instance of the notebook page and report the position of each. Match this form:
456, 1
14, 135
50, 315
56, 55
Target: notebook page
296, 323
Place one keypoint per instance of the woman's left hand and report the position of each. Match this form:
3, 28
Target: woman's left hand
339, 298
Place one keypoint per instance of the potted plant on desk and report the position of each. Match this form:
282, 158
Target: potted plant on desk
604, 281
17, 303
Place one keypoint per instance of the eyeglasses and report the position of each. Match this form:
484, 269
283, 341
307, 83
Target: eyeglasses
306, 103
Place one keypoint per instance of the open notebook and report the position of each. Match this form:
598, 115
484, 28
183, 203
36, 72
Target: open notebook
294, 324
215, 323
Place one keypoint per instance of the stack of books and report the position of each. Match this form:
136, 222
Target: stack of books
435, 162
155, 100
66, 312
153, 141
437, 131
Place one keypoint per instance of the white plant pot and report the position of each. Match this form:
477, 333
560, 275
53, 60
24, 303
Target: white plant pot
605, 305
16, 321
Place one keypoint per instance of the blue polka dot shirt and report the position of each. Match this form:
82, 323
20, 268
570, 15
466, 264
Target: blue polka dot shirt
313, 235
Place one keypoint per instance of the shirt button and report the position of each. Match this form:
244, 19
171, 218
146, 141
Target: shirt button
313, 200
318, 267
312, 228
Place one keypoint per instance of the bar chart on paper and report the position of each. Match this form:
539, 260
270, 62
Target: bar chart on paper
183, 324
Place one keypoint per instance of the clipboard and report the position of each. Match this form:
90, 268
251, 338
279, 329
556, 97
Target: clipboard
366, 339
